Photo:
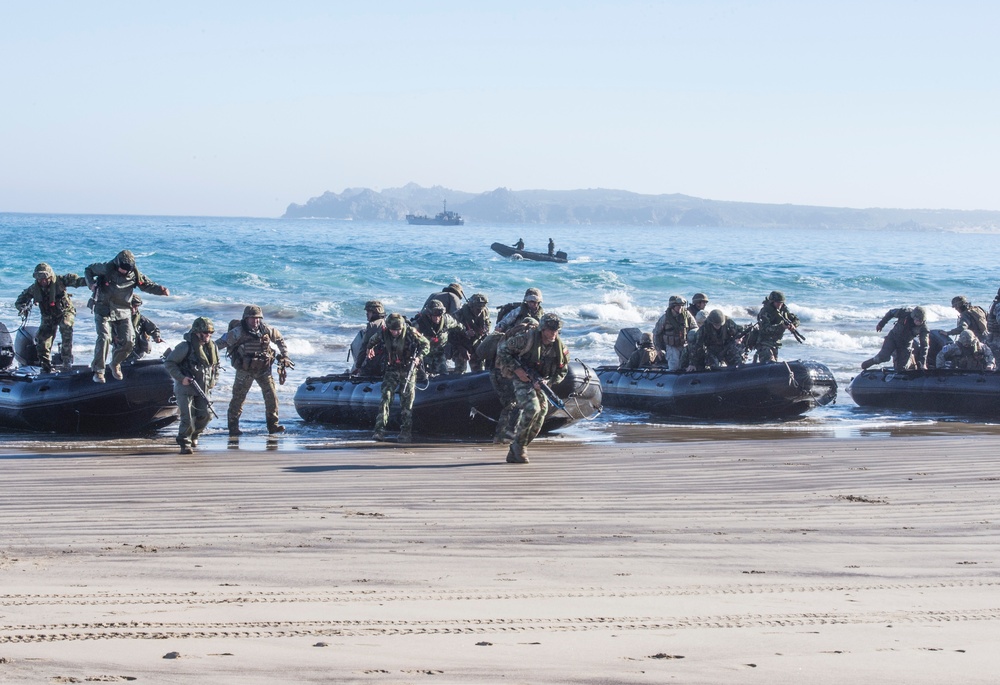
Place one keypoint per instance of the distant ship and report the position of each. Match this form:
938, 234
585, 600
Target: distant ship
445, 218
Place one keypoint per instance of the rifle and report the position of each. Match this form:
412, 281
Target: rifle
201, 393
791, 327
549, 393
284, 364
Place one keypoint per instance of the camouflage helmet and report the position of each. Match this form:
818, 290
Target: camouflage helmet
698, 298
202, 325
457, 289
676, 300
776, 296
550, 321
375, 306
919, 314
646, 340
136, 300
252, 310
125, 260
960, 302
435, 308
967, 338
533, 295
479, 300
716, 317
44, 270
395, 322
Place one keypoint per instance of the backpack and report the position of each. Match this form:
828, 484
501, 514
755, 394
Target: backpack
506, 309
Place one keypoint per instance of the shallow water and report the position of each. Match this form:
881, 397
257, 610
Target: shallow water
312, 278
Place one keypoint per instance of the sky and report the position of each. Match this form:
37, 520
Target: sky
240, 108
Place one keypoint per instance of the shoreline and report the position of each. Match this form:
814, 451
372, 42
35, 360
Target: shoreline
779, 561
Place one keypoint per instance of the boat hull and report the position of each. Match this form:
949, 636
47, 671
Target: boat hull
450, 404
508, 251
416, 220
751, 391
946, 391
72, 403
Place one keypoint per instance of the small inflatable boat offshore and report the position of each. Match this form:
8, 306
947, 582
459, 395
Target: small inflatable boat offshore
463, 405
70, 402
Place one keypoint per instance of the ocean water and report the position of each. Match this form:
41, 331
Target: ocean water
313, 276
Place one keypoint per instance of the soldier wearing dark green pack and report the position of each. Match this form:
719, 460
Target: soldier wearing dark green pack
248, 345
474, 318
967, 354
772, 322
113, 284
646, 356
717, 343
510, 315
56, 308
504, 387
194, 366
437, 326
530, 359
403, 347
970, 317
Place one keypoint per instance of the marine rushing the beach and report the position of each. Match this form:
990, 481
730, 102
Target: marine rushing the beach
57, 311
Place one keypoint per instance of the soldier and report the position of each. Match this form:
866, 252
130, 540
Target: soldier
646, 356
772, 321
144, 329
403, 347
437, 326
248, 344
370, 365
670, 335
519, 245
717, 343
194, 366
511, 314
530, 359
451, 297
897, 344
993, 325
970, 317
474, 318
57, 311
699, 301
504, 387
552, 247
969, 354
112, 284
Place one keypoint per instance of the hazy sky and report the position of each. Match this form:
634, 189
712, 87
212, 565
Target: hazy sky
239, 108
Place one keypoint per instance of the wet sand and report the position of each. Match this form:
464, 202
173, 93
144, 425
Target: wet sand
739, 561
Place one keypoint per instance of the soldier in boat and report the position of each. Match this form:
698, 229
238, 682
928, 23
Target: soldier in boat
646, 355
57, 311
451, 297
970, 317
699, 302
511, 314
898, 344
670, 335
717, 343
367, 363
145, 330
968, 353
772, 322
474, 318
437, 326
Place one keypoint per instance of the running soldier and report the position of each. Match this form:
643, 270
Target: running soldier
194, 366
248, 344
897, 345
530, 359
403, 347
670, 335
112, 284
56, 308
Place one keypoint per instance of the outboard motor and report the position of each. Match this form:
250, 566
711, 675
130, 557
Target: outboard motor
627, 343
24, 346
6, 348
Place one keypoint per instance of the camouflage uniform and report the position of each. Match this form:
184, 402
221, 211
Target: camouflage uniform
671, 333
200, 362
993, 325
57, 311
897, 344
474, 318
251, 355
530, 306
437, 335
772, 322
967, 354
970, 317
699, 303
646, 356
113, 308
375, 366
400, 372
451, 297
549, 362
714, 348
504, 387
145, 330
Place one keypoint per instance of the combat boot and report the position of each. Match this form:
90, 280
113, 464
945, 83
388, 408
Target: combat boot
46, 367
276, 428
116, 371
98, 376
234, 429
405, 436
378, 435
516, 454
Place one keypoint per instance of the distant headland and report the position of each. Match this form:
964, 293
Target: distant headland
604, 207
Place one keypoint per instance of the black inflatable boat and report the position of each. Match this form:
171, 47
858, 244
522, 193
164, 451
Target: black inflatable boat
947, 391
508, 251
70, 402
450, 404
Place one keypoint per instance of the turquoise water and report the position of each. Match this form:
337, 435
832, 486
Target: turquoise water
312, 278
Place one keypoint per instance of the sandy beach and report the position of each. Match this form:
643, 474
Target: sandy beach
742, 561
